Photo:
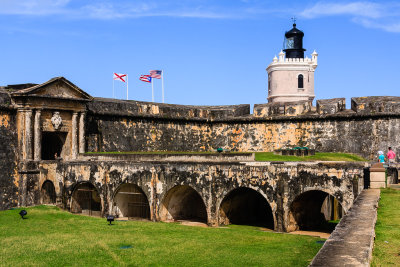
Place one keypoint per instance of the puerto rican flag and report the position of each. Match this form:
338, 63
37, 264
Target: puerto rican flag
155, 74
145, 78
120, 77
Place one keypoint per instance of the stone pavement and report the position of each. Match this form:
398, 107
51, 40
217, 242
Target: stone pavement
352, 241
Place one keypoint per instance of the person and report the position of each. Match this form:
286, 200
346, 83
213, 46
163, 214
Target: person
381, 157
391, 156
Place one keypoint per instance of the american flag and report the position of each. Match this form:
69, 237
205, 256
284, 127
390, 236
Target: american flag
155, 74
145, 78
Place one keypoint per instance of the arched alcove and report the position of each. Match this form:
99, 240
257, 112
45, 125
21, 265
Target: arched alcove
86, 200
130, 201
312, 211
246, 206
183, 203
52, 145
48, 193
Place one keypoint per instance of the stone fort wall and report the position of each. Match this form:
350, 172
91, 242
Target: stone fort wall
9, 178
372, 124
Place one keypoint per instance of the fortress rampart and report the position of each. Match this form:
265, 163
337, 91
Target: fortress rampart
372, 124
45, 130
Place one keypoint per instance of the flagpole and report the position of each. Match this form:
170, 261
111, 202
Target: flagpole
152, 90
113, 87
162, 84
126, 86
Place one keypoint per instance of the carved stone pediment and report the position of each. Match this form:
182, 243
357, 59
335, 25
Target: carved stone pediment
59, 88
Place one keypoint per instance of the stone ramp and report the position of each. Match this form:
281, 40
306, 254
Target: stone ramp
352, 241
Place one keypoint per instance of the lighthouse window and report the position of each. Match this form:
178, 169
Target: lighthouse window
300, 81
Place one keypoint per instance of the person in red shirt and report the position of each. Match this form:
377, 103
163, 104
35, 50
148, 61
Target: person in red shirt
391, 156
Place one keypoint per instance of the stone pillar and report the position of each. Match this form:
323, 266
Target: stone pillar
28, 134
82, 132
21, 132
377, 176
74, 136
37, 144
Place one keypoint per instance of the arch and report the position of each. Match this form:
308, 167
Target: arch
52, 145
48, 193
130, 201
311, 210
182, 202
300, 81
246, 206
86, 200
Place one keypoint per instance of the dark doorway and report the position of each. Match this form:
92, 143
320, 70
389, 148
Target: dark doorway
86, 200
183, 203
48, 193
130, 201
316, 211
246, 206
52, 144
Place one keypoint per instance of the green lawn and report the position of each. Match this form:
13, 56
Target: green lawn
387, 242
270, 156
259, 156
52, 237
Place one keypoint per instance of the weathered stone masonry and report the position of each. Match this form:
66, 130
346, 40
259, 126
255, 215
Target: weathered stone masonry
279, 184
360, 132
45, 130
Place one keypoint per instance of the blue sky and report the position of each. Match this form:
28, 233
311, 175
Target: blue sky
212, 52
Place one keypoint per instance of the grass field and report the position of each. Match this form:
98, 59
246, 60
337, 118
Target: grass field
259, 156
387, 242
52, 237
270, 156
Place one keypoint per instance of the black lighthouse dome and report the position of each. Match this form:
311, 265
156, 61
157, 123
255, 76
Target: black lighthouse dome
294, 43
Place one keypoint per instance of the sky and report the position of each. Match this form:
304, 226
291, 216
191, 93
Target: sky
211, 52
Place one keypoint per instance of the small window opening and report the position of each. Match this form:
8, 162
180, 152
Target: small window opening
300, 81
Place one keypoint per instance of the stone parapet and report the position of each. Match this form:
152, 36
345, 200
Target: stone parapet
352, 241
376, 104
377, 176
331, 106
106, 106
282, 109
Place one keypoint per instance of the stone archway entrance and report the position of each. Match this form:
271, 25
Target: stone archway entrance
313, 211
130, 201
52, 144
183, 203
48, 193
246, 206
86, 200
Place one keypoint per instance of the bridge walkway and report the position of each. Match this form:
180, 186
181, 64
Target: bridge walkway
352, 241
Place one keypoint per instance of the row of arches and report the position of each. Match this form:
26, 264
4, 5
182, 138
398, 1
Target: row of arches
310, 210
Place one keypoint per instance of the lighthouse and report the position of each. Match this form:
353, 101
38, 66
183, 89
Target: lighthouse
291, 75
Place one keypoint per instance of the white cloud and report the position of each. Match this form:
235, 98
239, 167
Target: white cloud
382, 16
120, 11
363, 9
110, 9
389, 27
32, 7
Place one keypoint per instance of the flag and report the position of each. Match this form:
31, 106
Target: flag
145, 78
155, 74
120, 77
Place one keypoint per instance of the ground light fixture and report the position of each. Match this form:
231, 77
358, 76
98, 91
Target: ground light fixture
110, 219
23, 213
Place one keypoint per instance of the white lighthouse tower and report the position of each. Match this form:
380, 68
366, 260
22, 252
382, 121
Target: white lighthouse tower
291, 76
